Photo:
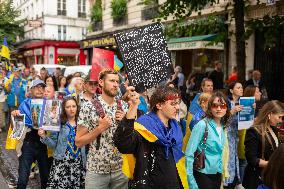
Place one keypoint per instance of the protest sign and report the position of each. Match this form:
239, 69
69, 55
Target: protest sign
145, 55
102, 59
246, 116
50, 117
18, 126
36, 110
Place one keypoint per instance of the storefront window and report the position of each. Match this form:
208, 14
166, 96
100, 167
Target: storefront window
68, 60
203, 59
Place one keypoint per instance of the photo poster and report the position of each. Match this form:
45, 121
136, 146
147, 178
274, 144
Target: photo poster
50, 117
145, 55
27, 89
59, 95
270, 2
102, 59
246, 116
36, 110
18, 126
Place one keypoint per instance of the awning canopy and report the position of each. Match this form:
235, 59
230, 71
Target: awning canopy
195, 42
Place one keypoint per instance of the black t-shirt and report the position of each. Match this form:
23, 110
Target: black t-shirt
164, 175
217, 78
32, 136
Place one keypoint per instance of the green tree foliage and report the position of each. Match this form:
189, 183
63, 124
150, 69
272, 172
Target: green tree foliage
269, 25
9, 26
96, 12
182, 9
118, 9
211, 24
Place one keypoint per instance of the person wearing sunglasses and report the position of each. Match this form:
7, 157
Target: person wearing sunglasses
90, 88
215, 148
235, 92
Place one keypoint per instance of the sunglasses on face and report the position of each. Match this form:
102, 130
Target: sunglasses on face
93, 84
221, 105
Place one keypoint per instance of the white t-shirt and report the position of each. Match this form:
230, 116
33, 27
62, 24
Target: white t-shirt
219, 130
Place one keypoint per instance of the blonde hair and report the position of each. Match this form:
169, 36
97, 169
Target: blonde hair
204, 97
261, 123
273, 107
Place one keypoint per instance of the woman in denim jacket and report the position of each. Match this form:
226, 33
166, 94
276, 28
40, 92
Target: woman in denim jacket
217, 116
67, 169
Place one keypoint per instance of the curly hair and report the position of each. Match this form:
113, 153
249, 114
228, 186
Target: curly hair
160, 96
224, 100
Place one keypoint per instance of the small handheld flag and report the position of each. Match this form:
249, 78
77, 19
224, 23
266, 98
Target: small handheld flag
5, 52
117, 64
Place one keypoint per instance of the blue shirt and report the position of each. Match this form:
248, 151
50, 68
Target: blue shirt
58, 141
213, 152
25, 108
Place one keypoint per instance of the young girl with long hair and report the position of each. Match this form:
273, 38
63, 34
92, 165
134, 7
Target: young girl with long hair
210, 176
67, 169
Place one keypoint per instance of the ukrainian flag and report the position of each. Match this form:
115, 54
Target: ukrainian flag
5, 52
117, 64
148, 127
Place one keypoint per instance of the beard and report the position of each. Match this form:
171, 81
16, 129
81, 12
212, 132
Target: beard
110, 92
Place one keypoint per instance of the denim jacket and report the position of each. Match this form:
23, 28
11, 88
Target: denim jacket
58, 143
213, 151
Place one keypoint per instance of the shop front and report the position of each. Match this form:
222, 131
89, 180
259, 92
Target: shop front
105, 42
196, 54
51, 52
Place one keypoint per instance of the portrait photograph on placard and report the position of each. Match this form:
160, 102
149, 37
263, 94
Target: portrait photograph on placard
36, 108
145, 55
50, 118
18, 126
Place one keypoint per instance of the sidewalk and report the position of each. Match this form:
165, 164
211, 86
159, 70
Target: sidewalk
9, 166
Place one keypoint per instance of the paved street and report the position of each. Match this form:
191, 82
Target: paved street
3, 184
9, 167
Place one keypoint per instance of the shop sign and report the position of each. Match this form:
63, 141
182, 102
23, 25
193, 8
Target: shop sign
195, 45
34, 23
68, 51
99, 42
38, 51
28, 53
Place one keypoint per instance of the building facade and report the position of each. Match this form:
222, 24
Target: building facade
184, 51
193, 52
52, 30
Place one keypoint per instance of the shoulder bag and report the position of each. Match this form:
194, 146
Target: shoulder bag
199, 157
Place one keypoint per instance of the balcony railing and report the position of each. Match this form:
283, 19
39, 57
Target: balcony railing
149, 12
121, 21
97, 26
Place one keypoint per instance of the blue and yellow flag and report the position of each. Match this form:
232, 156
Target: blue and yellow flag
117, 64
151, 128
5, 52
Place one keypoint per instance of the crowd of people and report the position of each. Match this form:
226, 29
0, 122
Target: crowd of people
180, 134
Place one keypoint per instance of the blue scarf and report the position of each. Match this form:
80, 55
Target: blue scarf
169, 138
72, 148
